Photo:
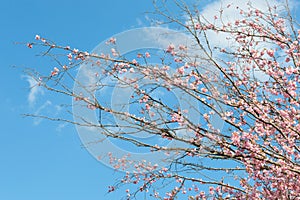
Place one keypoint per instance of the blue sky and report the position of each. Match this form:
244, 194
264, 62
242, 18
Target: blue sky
39, 160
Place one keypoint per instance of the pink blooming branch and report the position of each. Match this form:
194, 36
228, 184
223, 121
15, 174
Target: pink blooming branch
251, 86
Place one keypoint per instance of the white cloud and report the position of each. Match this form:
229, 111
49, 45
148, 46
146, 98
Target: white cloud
38, 120
231, 14
61, 126
35, 90
139, 22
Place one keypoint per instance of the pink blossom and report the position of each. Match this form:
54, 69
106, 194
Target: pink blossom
147, 107
29, 45
114, 52
202, 194
182, 47
70, 56
197, 26
235, 137
180, 70
134, 62
55, 71
206, 116
211, 190
111, 41
91, 106
204, 90
75, 51
270, 52
289, 70
170, 48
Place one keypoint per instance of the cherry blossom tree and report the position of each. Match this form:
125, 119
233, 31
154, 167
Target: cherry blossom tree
222, 107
